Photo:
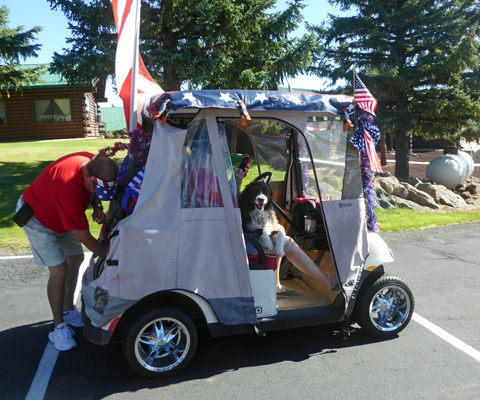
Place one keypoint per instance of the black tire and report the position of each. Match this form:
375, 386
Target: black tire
160, 342
386, 307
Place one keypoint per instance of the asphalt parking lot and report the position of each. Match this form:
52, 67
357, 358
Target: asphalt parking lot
436, 357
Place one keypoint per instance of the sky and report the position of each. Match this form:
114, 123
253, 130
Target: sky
30, 13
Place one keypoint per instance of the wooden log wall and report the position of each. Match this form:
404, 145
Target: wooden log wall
21, 124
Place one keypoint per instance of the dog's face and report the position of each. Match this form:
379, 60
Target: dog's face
257, 195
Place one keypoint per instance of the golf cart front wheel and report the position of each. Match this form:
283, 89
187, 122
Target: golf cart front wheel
386, 307
160, 342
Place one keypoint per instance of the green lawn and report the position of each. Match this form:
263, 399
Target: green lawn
21, 162
402, 219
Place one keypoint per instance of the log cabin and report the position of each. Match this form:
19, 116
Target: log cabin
50, 109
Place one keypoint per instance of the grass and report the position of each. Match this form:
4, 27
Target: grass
21, 162
403, 219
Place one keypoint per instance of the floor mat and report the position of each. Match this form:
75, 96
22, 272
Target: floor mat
310, 293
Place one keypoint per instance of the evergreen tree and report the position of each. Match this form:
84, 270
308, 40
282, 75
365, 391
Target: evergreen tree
15, 44
419, 58
202, 43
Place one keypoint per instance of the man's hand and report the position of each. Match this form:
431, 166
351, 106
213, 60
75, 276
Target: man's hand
99, 216
239, 175
91, 243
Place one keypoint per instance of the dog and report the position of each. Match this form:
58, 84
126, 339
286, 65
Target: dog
259, 218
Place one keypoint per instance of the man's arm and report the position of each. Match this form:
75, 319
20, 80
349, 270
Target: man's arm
91, 243
98, 215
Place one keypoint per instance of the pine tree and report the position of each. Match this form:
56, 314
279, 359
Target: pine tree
419, 58
199, 43
15, 45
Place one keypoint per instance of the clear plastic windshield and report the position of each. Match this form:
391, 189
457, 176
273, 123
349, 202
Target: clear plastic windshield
264, 140
335, 160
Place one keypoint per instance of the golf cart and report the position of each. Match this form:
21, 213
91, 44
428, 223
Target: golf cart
178, 261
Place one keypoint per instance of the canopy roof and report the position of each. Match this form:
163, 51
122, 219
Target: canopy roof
252, 99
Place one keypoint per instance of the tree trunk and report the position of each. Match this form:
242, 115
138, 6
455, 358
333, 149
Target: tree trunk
401, 155
383, 152
170, 78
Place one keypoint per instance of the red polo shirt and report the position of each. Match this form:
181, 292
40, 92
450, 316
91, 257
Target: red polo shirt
58, 195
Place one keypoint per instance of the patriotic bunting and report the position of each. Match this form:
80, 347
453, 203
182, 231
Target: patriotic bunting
365, 139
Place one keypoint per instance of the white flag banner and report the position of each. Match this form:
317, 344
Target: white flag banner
134, 82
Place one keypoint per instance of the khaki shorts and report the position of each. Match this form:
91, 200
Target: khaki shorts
49, 248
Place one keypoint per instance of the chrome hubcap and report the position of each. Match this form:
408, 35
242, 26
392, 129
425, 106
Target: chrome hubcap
390, 308
162, 344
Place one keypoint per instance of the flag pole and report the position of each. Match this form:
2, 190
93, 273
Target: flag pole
133, 88
354, 106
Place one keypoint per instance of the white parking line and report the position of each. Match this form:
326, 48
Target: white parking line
15, 257
40, 382
44, 372
447, 337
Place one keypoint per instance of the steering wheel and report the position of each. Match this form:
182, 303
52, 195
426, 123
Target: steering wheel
267, 176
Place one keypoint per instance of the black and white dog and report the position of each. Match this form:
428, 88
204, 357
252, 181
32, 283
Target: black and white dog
258, 217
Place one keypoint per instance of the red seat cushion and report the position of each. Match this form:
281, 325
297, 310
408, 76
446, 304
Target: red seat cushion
271, 260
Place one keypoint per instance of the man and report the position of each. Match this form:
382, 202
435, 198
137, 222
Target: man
59, 197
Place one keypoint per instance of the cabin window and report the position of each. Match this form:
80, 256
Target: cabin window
3, 113
53, 110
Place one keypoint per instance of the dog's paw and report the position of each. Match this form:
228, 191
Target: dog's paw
266, 243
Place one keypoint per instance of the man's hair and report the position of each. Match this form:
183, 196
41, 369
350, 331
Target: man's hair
100, 164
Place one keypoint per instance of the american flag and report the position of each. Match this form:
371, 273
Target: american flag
363, 97
132, 191
126, 14
374, 161
365, 138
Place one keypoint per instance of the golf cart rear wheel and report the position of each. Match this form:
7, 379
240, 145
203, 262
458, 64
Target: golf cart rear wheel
160, 342
386, 307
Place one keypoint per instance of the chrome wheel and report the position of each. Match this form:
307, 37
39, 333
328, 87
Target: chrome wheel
389, 308
386, 307
160, 342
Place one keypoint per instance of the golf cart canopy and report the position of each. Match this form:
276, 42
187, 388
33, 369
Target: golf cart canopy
252, 100
185, 233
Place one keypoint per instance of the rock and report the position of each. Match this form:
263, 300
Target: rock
442, 195
414, 181
420, 197
471, 202
392, 186
471, 189
465, 195
384, 200
387, 201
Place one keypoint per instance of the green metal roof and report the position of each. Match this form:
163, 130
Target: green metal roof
47, 79
113, 118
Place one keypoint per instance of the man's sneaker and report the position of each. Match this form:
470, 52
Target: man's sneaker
73, 318
62, 337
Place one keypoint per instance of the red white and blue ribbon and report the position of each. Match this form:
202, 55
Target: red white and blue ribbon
365, 139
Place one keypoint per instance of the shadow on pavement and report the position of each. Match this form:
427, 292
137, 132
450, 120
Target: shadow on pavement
21, 349
96, 372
